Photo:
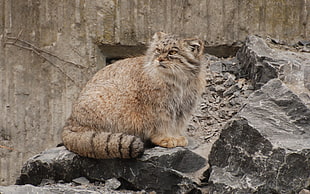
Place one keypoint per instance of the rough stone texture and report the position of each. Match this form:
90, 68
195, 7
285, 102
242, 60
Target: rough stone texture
60, 43
223, 97
245, 161
260, 62
160, 169
62, 188
266, 149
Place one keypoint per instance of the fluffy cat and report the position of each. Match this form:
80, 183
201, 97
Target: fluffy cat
138, 99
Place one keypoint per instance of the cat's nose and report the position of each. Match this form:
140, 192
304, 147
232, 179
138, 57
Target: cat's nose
161, 58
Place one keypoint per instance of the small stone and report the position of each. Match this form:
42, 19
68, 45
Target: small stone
112, 183
218, 80
214, 108
304, 42
47, 182
229, 66
210, 122
229, 82
212, 57
229, 75
305, 49
275, 41
212, 88
216, 67
234, 101
222, 114
231, 90
219, 88
237, 93
81, 181
304, 191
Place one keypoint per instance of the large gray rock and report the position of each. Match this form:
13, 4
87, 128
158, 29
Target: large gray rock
261, 62
159, 169
267, 149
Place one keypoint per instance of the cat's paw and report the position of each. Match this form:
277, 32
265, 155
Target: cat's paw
171, 142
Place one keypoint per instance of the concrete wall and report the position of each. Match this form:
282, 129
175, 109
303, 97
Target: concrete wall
49, 49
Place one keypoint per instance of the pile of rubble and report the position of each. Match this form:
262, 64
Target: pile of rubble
225, 93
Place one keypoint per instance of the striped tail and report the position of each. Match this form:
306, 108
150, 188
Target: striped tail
101, 145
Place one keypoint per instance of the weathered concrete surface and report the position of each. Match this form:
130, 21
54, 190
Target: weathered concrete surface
56, 51
217, 22
38, 87
160, 169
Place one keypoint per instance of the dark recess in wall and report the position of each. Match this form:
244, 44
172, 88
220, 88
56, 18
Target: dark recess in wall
117, 52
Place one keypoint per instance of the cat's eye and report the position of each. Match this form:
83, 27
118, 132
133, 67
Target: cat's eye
157, 50
194, 47
173, 52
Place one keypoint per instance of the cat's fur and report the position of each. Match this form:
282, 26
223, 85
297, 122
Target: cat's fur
137, 99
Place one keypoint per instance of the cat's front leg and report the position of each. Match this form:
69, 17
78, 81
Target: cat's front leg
169, 141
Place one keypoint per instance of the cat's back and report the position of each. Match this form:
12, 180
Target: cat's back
121, 72
116, 94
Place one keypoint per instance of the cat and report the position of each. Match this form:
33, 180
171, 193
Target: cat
134, 100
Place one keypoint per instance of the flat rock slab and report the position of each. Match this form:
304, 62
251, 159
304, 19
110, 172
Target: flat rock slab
159, 169
22, 189
267, 149
60, 189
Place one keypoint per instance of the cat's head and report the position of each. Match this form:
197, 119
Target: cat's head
173, 56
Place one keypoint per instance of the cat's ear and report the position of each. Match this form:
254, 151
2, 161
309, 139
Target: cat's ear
158, 35
195, 45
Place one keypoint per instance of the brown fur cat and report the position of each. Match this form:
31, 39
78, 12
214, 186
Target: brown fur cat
137, 99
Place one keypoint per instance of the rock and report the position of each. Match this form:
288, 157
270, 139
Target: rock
112, 183
230, 79
219, 89
159, 169
216, 67
266, 149
60, 188
230, 66
304, 42
255, 57
81, 181
231, 90
261, 63
304, 191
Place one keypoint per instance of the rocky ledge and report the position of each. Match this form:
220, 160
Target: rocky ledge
159, 169
252, 132
266, 148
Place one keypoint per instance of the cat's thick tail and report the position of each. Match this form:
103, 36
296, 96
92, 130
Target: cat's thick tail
101, 145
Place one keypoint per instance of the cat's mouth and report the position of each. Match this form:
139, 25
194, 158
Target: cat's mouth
162, 66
